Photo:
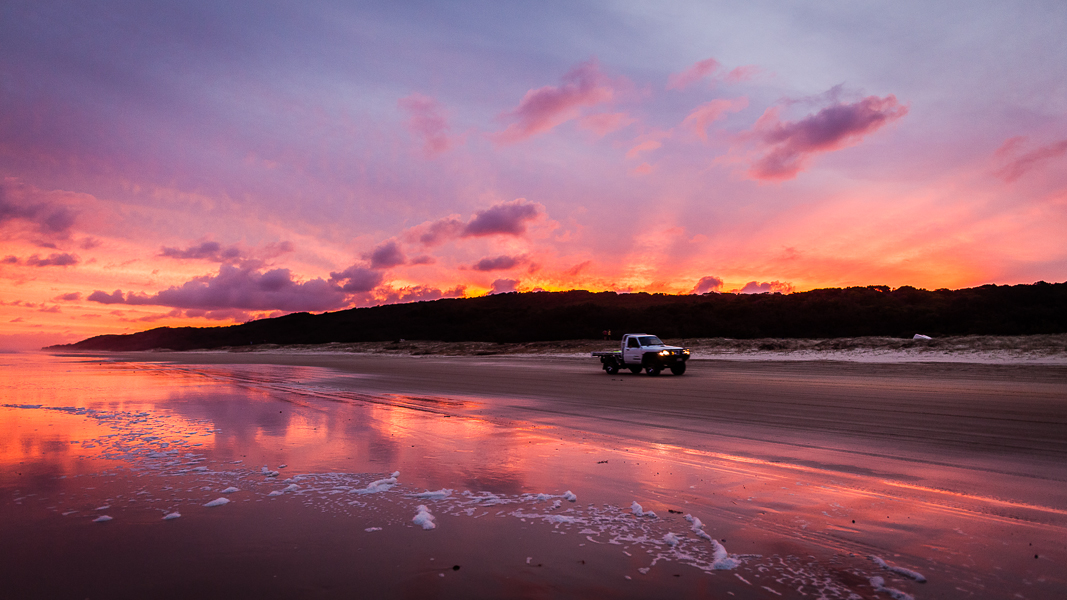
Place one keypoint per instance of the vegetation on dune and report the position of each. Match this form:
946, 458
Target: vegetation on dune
1040, 308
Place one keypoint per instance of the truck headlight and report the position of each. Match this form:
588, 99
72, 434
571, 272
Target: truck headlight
664, 352
686, 351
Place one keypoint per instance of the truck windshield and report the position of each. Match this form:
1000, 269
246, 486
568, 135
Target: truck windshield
650, 340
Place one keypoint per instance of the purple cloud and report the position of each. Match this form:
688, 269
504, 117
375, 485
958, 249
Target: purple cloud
239, 288
500, 263
56, 259
356, 279
503, 286
503, 218
49, 217
787, 145
212, 251
707, 284
386, 255
506, 218
69, 297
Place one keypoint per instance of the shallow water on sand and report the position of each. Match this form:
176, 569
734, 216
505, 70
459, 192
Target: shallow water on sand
276, 481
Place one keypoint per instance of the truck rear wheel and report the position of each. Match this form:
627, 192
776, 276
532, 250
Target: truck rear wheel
653, 371
678, 368
611, 369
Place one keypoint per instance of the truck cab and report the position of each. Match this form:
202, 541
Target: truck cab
643, 351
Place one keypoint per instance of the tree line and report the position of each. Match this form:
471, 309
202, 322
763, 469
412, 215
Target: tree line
1038, 308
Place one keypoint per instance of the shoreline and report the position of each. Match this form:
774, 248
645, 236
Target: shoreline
1044, 349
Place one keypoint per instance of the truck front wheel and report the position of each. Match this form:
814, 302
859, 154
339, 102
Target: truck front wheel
653, 371
678, 368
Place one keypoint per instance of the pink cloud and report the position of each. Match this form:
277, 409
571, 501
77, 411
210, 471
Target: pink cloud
642, 169
707, 284
427, 121
1018, 167
543, 109
605, 123
699, 120
679, 81
787, 145
742, 73
756, 287
645, 146
418, 293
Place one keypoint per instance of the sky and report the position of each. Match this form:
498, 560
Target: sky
206, 163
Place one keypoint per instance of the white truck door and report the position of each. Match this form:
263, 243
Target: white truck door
632, 353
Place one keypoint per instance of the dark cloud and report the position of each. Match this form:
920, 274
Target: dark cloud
503, 286
10, 260
215, 252
1019, 166
115, 297
69, 297
500, 263
423, 260
505, 218
239, 288
386, 255
707, 284
56, 259
212, 251
50, 218
787, 145
756, 287
356, 279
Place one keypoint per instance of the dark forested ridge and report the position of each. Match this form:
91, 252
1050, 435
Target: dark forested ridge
543, 316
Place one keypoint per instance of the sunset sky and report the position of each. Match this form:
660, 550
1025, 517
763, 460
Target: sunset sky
206, 163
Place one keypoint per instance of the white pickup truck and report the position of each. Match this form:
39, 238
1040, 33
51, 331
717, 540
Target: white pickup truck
644, 352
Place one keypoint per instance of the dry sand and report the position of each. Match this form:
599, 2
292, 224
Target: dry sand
1047, 349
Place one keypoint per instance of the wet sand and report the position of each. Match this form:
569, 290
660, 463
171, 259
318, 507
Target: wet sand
805, 469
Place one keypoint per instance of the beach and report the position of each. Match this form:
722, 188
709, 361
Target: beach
541, 476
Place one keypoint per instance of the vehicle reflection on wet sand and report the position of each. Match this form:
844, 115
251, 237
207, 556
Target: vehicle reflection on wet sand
304, 469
